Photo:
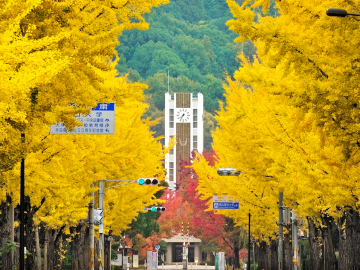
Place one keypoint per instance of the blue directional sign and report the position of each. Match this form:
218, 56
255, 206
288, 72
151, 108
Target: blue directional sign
157, 247
225, 205
100, 121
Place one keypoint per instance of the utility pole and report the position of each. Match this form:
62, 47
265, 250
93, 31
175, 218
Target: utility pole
254, 253
101, 225
281, 243
91, 231
22, 208
249, 247
295, 240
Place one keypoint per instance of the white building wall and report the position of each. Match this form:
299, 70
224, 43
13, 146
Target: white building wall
169, 104
200, 129
167, 137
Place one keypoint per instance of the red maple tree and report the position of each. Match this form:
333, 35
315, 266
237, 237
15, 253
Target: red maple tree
185, 209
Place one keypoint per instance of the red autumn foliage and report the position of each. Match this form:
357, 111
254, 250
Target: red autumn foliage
184, 206
243, 253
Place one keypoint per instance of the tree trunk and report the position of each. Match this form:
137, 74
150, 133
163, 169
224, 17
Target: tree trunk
261, 255
329, 258
97, 250
7, 232
54, 251
288, 250
107, 252
12, 233
267, 255
349, 244
59, 250
79, 249
38, 251
29, 235
51, 262
46, 245
314, 246
273, 256
16, 239
236, 253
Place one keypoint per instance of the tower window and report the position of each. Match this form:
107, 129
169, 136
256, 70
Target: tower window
194, 118
171, 122
171, 171
194, 142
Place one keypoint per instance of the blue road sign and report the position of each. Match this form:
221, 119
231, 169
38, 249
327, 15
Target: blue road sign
157, 247
225, 205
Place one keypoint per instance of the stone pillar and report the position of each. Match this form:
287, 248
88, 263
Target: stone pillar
197, 252
168, 253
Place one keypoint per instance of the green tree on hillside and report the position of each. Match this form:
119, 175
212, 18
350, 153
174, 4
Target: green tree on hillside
188, 39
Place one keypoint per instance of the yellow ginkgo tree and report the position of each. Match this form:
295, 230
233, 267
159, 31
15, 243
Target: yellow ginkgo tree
291, 122
55, 54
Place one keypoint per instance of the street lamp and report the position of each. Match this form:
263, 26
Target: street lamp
228, 172
236, 172
337, 12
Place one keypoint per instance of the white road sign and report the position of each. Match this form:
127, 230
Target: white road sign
100, 121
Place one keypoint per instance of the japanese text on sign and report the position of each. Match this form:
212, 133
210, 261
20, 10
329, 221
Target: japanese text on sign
101, 120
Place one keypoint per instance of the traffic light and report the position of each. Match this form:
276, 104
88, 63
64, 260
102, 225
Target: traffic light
158, 208
148, 181
301, 234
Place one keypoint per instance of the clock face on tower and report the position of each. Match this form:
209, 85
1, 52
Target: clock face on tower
183, 115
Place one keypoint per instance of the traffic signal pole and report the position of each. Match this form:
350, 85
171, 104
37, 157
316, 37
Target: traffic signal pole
281, 241
101, 225
295, 240
91, 231
150, 181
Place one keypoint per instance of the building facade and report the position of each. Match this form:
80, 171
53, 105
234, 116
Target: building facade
184, 121
174, 249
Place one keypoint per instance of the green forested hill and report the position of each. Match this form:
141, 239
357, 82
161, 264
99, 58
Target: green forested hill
189, 39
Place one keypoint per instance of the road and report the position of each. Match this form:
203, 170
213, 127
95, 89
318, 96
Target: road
190, 267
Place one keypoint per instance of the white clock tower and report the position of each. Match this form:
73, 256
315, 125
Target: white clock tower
184, 120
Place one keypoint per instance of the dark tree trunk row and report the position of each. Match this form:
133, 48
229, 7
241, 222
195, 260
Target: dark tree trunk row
79, 254
314, 236
30, 263
80, 249
7, 233
321, 243
51, 241
54, 248
329, 260
261, 255
349, 242
267, 255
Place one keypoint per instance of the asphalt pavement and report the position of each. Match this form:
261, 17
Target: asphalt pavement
190, 266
